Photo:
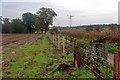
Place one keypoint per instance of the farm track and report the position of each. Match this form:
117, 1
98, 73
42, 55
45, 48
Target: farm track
18, 40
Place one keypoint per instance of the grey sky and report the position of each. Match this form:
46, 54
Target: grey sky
0, 8
84, 11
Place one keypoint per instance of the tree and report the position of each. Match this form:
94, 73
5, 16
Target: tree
90, 28
28, 21
6, 20
6, 26
18, 26
46, 16
37, 23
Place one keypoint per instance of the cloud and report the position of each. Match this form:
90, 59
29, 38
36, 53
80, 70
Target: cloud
84, 11
0, 8
16, 9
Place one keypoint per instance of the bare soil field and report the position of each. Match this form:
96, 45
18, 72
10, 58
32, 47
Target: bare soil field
17, 40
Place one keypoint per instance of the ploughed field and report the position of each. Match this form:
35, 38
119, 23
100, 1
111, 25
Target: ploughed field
16, 40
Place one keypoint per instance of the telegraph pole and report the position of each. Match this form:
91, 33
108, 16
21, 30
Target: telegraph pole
0, 19
70, 19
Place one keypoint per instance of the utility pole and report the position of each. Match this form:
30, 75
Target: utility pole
0, 19
70, 19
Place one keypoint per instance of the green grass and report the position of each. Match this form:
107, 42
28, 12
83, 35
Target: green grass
67, 58
34, 61
38, 60
83, 42
15, 68
82, 73
113, 47
28, 60
107, 71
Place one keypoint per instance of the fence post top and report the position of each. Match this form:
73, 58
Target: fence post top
116, 53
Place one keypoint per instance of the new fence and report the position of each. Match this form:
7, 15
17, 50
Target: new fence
93, 55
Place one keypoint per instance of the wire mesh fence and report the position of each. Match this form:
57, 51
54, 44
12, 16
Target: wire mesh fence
93, 56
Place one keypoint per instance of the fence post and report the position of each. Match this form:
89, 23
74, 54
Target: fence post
74, 56
75, 53
73, 50
116, 66
63, 40
49, 35
53, 39
106, 51
58, 41
77, 56
119, 64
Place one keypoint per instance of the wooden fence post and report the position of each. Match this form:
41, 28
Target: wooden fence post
49, 35
116, 66
73, 50
106, 51
78, 57
63, 40
119, 65
53, 39
74, 56
58, 41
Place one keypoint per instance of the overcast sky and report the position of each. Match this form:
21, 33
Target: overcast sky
84, 11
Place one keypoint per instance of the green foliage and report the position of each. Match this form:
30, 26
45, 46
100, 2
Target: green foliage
15, 68
46, 15
67, 58
38, 22
31, 72
54, 30
6, 27
17, 26
57, 74
28, 21
90, 28
82, 73
6, 20
83, 42
108, 71
113, 47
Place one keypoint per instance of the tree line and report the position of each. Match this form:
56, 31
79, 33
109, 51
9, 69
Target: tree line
30, 23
